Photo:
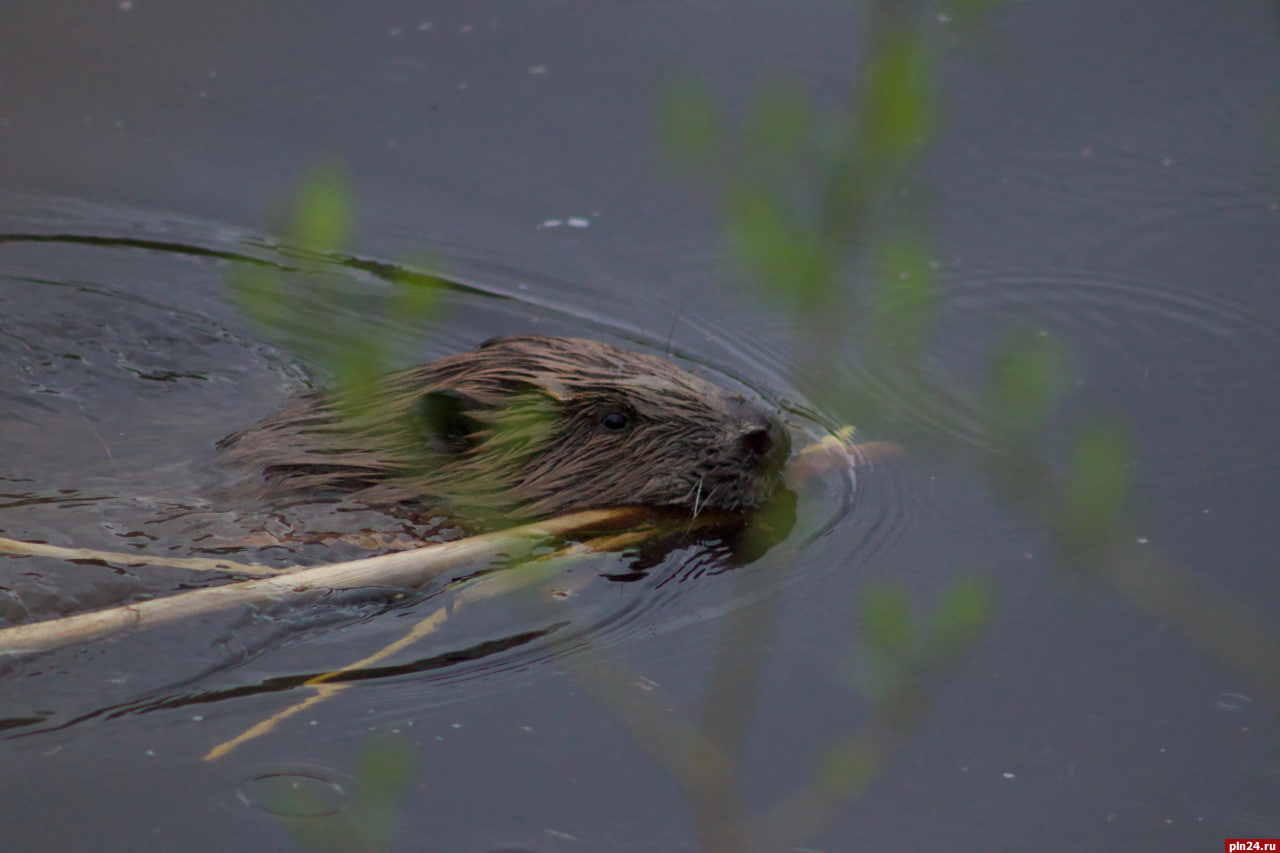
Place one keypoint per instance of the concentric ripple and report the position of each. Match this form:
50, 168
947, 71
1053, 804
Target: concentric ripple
1124, 339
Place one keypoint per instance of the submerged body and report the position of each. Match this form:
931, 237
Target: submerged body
527, 427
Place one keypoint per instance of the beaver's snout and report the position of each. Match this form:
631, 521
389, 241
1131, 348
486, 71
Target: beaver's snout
765, 438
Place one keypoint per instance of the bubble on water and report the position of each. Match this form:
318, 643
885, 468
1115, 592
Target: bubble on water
1233, 701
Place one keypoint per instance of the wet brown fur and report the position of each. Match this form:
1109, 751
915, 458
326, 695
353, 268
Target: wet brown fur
523, 427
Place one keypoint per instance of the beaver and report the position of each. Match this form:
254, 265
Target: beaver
524, 428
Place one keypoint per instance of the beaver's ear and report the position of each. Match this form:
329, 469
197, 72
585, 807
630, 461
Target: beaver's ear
446, 421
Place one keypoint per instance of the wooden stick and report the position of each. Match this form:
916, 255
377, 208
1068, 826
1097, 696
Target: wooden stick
837, 451
403, 569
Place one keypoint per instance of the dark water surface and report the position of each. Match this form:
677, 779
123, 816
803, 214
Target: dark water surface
1109, 175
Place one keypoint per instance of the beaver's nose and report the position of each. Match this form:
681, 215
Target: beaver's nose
764, 436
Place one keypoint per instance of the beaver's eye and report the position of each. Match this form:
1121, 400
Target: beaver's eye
615, 421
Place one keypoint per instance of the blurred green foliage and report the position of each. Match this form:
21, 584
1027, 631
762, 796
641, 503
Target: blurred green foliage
808, 197
903, 303
1093, 501
1025, 380
310, 309
299, 307
900, 652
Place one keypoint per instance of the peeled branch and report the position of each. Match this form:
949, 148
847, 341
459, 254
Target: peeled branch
404, 569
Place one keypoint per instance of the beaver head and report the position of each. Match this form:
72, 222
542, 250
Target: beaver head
528, 427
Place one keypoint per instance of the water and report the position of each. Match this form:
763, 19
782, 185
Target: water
1108, 178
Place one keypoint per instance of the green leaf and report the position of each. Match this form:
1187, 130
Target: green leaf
898, 112
790, 261
903, 310
962, 615
385, 769
1097, 489
323, 212
886, 620
1025, 380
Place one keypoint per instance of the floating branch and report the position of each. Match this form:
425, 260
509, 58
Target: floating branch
402, 569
